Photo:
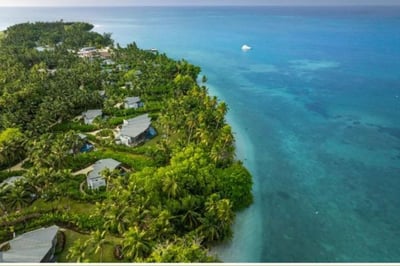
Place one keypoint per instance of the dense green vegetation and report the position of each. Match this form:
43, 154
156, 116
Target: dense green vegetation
180, 190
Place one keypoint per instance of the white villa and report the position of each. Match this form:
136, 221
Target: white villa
94, 179
135, 130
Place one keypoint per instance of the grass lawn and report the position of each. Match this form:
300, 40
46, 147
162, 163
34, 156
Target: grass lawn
64, 203
72, 236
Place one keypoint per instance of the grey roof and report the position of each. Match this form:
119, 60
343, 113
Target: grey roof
92, 114
132, 100
82, 136
11, 180
135, 126
100, 165
30, 247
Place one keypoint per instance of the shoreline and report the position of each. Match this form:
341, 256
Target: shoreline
247, 224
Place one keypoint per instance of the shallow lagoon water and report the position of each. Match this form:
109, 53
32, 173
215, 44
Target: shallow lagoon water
315, 107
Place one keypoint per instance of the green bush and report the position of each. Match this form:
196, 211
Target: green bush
235, 183
115, 121
82, 222
120, 148
91, 138
67, 126
105, 133
5, 234
81, 160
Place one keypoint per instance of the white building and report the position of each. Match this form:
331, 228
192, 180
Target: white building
135, 130
94, 179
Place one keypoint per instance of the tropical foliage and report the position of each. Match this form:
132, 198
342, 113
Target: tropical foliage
177, 193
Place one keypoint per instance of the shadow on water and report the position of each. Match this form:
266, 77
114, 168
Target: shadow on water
393, 131
284, 195
318, 108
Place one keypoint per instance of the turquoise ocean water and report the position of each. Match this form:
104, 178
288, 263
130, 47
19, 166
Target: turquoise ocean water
315, 107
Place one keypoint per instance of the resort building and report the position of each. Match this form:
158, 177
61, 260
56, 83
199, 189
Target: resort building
90, 115
32, 247
132, 102
135, 131
94, 179
86, 52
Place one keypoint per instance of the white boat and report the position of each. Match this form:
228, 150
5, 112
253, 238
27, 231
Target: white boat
245, 47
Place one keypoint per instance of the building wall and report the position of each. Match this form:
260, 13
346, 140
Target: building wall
129, 141
88, 121
126, 140
134, 105
96, 183
49, 257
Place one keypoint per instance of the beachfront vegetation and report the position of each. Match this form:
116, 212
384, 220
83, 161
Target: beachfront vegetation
179, 191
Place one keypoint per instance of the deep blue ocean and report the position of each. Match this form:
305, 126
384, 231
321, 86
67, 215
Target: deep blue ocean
315, 107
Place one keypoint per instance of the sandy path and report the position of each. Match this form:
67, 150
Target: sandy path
84, 171
17, 167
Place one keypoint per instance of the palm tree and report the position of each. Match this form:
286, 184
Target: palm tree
170, 185
136, 244
218, 219
40, 178
211, 203
117, 218
77, 251
224, 212
3, 200
19, 195
73, 141
109, 175
97, 241
191, 217
39, 150
186, 249
191, 125
209, 229
161, 227
220, 113
226, 136
59, 151
11, 146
